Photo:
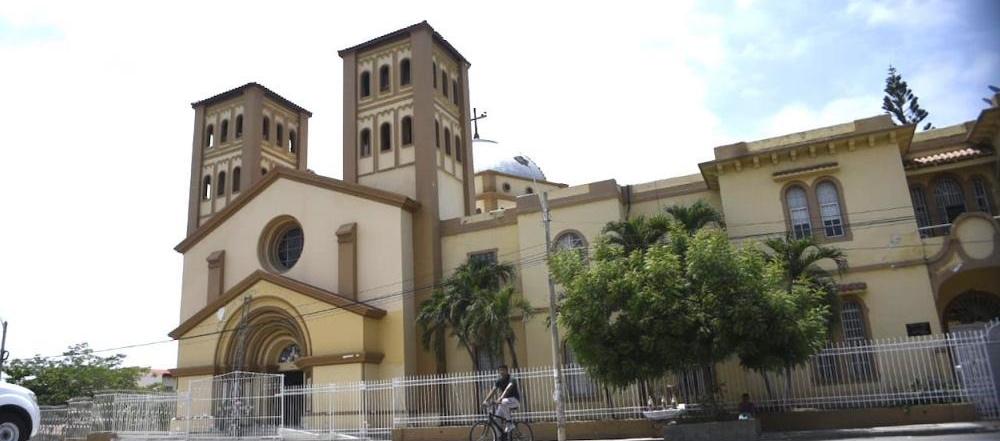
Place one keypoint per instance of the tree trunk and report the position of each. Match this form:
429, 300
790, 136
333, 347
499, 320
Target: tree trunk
767, 384
513, 353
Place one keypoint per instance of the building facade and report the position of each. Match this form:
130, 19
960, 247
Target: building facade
320, 278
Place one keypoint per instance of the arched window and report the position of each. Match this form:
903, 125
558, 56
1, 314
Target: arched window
279, 134
458, 149
570, 240
266, 129
383, 79
366, 84
434, 74
263, 170
920, 211
437, 134
829, 209
404, 72
365, 143
950, 199
209, 136
861, 366
798, 212
385, 137
444, 83
220, 184
529, 190
206, 188
223, 131
407, 130
236, 179
454, 92
292, 141
290, 354
981, 192
239, 126
447, 142
505, 187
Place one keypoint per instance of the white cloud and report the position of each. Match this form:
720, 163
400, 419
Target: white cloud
914, 14
797, 117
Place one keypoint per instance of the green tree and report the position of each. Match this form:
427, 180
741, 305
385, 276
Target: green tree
799, 259
799, 307
489, 318
695, 216
475, 287
638, 233
900, 102
79, 372
679, 305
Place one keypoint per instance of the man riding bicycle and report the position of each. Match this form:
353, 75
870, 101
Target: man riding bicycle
509, 397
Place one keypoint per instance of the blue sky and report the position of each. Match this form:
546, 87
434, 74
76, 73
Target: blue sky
801, 54
98, 94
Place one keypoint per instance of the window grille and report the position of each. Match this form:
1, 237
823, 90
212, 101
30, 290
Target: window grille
798, 212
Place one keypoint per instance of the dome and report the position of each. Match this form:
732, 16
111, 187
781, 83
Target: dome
489, 155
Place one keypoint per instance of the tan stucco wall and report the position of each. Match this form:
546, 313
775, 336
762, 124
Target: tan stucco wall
400, 180
381, 232
873, 190
451, 196
330, 330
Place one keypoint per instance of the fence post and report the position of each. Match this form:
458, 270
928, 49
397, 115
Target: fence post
395, 404
187, 418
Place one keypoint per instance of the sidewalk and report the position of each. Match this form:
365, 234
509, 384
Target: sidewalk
914, 430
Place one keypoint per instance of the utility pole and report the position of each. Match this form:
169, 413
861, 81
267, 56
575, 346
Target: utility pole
557, 395
3, 347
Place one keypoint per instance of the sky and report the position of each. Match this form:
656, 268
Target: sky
96, 118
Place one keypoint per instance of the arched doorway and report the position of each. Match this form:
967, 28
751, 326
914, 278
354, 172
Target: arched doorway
971, 310
268, 339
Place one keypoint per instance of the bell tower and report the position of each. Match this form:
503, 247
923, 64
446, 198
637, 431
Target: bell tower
406, 130
406, 119
240, 135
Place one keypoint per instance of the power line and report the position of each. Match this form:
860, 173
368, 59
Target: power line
528, 261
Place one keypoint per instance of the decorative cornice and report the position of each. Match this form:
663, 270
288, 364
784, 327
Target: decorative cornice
335, 359
320, 294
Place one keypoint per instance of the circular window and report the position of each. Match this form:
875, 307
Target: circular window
281, 244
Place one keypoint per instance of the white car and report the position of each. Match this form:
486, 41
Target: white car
19, 414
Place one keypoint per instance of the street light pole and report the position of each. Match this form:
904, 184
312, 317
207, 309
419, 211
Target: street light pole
557, 395
3, 347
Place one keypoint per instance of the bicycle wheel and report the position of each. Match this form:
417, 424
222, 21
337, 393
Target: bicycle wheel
521, 432
482, 431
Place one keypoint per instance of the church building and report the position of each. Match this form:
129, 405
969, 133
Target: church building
318, 278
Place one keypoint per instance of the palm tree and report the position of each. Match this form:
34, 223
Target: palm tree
450, 308
638, 233
696, 215
800, 259
489, 318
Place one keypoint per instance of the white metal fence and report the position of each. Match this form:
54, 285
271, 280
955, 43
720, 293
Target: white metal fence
953, 368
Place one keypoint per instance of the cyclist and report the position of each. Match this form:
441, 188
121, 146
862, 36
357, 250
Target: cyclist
509, 397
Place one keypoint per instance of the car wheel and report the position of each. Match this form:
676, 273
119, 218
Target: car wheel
13, 428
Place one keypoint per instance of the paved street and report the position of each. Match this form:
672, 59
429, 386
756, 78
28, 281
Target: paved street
960, 437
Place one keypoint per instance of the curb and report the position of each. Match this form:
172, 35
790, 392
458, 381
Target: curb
921, 430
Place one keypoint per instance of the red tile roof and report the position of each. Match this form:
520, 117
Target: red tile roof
957, 153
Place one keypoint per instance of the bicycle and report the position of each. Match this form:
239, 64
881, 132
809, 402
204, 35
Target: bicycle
491, 428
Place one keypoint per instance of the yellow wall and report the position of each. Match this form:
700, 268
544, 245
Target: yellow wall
381, 246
